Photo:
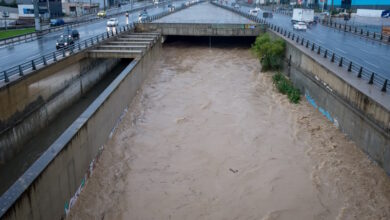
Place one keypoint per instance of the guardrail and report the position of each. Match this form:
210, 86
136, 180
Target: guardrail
372, 35
35, 35
52, 57
375, 79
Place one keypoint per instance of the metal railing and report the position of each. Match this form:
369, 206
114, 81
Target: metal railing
372, 35
361, 72
55, 56
52, 57
35, 35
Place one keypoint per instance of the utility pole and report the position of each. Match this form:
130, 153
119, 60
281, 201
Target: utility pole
36, 16
330, 11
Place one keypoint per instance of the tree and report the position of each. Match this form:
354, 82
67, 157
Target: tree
269, 51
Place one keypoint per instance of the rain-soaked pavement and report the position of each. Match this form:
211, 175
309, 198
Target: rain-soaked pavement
204, 13
208, 137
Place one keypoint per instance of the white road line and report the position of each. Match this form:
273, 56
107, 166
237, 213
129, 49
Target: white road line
366, 51
342, 51
371, 64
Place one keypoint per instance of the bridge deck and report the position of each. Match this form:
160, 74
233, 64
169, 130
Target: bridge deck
204, 13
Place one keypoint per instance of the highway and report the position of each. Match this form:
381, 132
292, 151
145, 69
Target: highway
371, 55
20, 53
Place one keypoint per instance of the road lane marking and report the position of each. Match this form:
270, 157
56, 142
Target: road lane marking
371, 64
342, 51
366, 51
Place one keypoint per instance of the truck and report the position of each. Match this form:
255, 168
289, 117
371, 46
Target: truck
302, 15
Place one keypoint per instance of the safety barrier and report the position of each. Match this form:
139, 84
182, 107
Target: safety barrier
52, 57
35, 35
375, 79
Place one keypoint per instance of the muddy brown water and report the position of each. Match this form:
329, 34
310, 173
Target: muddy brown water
208, 137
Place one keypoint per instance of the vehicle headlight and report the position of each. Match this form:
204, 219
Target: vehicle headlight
65, 43
57, 43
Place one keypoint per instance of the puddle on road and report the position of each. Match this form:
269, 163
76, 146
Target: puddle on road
209, 138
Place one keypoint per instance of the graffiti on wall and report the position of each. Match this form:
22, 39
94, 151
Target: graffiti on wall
320, 109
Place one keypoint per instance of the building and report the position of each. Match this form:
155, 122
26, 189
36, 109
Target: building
79, 8
50, 7
368, 4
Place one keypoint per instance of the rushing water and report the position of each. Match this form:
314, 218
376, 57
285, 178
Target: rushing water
208, 137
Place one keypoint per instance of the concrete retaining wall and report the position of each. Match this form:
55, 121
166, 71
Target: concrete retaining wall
50, 186
28, 105
360, 110
187, 29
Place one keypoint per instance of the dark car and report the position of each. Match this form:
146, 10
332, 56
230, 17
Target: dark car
72, 33
57, 22
386, 14
64, 41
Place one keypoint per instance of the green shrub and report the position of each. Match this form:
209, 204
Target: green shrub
285, 87
269, 51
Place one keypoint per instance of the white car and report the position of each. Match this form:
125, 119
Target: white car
142, 18
112, 22
300, 26
254, 11
236, 6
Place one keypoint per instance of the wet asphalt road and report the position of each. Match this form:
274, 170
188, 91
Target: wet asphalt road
367, 53
24, 52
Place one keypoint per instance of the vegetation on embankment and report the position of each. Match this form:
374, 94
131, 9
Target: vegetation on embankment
286, 87
271, 53
15, 32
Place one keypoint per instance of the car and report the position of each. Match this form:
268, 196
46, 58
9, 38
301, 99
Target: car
56, 22
112, 22
236, 6
254, 11
64, 41
102, 14
143, 18
171, 7
71, 33
385, 14
155, 2
300, 26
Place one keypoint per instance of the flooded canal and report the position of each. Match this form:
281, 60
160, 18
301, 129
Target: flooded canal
208, 137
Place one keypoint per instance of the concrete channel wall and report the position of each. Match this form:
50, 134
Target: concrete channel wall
188, 29
29, 104
360, 110
51, 185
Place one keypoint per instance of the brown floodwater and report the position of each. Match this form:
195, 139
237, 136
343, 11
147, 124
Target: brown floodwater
208, 137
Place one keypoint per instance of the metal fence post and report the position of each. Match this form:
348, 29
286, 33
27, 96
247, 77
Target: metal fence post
63, 52
319, 50
360, 72
350, 67
5, 76
54, 57
33, 65
20, 70
341, 62
312, 47
307, 44
79, 46
332, 59
326, 53
371, 79
384, 88
44, 60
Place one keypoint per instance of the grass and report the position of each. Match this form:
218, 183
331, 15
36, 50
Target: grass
15, 32
285, 87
